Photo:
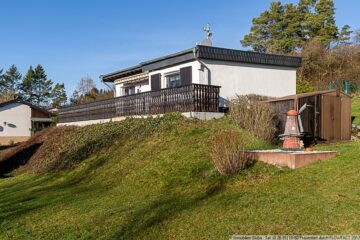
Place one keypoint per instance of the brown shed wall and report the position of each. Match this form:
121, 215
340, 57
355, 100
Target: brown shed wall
328, 116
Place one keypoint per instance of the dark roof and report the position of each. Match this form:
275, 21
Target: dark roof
122, 73
233, 55
310, 94
206, 52
26, 103
157, 63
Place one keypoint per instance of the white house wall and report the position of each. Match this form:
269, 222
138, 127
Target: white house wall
139, 87
241, 79
15, 123
195, 72
118, 89
234, 78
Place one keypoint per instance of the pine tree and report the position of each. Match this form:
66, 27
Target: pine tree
287, 28
75, 98
345, 34
2, 84
264, 33
4, 95
322, 26
58, 95
42, 87
11, 80
27, 86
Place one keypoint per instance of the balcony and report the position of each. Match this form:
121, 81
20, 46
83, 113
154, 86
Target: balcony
189, 98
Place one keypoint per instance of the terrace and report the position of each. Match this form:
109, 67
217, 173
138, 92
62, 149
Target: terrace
188, 98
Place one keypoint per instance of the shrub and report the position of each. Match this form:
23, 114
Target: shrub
228, 152
303, 86
255, 116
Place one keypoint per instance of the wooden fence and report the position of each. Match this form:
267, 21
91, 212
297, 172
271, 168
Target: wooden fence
189, 98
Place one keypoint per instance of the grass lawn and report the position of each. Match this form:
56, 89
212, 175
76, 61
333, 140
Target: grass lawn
356, 109
165, 187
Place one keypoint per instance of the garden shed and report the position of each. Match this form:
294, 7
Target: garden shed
325, 115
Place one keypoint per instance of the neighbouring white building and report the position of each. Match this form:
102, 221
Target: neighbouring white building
236, 72
19, 120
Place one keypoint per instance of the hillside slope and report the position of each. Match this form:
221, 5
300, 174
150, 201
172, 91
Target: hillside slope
154, 179
356, 109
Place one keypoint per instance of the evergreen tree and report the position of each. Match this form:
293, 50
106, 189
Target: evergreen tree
264, 32
11, 80
75, 98
58, 95
287, 28
42, 87
4, 95
345, 34
27, 86
321, 23
1, 80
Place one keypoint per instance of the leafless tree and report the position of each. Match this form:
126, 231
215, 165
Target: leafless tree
85, 85
357, 36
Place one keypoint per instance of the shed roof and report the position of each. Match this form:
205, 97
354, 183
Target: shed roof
303, 95
205, 52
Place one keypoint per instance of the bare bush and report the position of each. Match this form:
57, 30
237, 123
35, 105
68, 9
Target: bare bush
228, 152
323, 66
255, 116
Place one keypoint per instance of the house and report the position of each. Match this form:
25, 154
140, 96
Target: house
324, 115
20, 119
236, 72
195, 82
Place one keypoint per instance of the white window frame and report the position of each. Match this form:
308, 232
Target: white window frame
170, 75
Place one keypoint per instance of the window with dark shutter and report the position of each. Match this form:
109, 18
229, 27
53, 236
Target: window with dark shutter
155, 82
186, 75
173, 80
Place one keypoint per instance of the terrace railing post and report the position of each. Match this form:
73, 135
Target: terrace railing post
192, 89
164, 102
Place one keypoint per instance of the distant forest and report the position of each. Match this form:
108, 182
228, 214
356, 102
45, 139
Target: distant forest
36, 88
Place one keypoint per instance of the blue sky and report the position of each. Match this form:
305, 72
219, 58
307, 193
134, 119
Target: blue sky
72, 39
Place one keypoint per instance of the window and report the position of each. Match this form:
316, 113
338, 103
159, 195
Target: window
173, 80
129, 90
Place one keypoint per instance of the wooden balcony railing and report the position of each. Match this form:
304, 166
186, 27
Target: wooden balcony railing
189, 98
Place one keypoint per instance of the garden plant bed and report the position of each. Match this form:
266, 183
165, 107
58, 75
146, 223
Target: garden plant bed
291, 159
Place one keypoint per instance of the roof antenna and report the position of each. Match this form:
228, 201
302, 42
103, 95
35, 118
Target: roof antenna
207, 41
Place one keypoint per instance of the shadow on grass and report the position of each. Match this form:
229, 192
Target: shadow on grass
40, 191
18, 159
2, 148
164, 207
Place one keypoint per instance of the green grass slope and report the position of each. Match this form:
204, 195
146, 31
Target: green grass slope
155, 180
356, 109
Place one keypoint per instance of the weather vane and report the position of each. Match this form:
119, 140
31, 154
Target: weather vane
207, 30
